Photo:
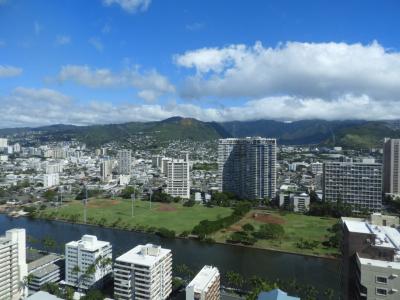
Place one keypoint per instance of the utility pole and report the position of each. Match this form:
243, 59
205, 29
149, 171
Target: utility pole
151, 194
84, 205
133, 201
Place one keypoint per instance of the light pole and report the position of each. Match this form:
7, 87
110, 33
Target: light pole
151, 194
84, 205
133, 201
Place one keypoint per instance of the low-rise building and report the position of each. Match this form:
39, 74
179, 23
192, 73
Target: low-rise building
144, 272
46, 269
297, 202
205, 286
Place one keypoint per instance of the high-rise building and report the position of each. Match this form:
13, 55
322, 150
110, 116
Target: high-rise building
124, 162
13, 265
355, 183
3, 143
391, 166
370, 258
247, 167
144, 272
50, 180
82, 255
106, 170
205, 286
178, 177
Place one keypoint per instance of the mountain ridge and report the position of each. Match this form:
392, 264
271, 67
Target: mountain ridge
348, 133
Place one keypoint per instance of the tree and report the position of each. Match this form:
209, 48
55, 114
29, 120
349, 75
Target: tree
50, 195
235, 279
49, 243
128, 191
93, 294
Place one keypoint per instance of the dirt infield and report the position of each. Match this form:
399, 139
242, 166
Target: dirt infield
103, 203
166, 207
267, 218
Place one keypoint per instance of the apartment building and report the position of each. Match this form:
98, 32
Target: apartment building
106, 170
83, 254
370, 258
45, 269
205, 286
143, 273
50, 180
124, 162
247, 167
13, 267
297, 202
178, 177
391, 166
3, 143
355, 183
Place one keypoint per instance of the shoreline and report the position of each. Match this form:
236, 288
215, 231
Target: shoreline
330, 257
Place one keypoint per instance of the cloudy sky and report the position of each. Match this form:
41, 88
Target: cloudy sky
112, 61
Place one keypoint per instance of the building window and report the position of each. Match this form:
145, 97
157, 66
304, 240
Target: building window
381, 292
381, 279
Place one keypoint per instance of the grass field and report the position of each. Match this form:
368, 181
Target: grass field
296, 226
117, 213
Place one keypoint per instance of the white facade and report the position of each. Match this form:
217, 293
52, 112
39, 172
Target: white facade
124, 162
391, 166
3, 143
143, 273
316, 168
83, 254
13, 267
205, 286
178, 177
50, 180
17, 148
51, 168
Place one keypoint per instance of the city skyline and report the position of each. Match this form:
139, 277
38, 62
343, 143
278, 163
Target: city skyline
113, 61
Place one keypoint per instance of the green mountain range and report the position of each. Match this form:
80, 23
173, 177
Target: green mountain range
349, 134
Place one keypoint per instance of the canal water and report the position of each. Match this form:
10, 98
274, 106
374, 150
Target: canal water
319, 272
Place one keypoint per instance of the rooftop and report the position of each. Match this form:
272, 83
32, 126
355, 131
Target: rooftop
276, 294
44, 260
204, 278
146, 255
89, 243
45, 270
41, 295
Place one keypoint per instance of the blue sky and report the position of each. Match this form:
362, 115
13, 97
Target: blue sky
103, 61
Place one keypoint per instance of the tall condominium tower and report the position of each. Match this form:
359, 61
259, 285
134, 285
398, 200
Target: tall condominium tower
124, 162
106, 170
14, 269
178, 177
144, 272
80, 256
355, 183
247, 167
391, 166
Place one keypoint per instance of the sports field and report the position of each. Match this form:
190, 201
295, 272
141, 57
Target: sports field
296, 226
118, 213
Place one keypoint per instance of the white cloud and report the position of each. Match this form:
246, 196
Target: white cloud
150, 84
63, 40
313, 70
9, 71
37, 27
34, 107
130, 6
96, 43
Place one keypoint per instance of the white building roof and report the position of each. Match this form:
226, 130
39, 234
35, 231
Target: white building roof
204, 278
145, 255
89, 243
379, 263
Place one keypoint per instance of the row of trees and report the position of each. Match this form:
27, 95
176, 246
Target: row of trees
206, 226
251, 287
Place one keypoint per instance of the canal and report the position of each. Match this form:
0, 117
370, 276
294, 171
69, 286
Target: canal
320, 272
